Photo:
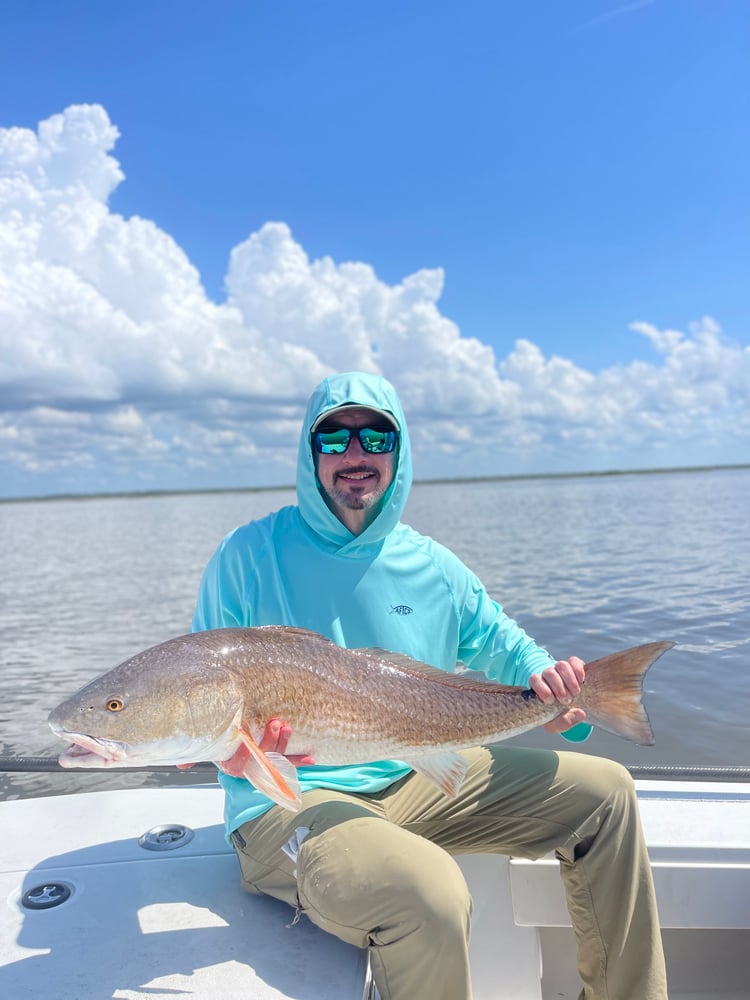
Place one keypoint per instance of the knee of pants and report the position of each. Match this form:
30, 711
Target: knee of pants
619, 783
381, 883
603, 780
607, 806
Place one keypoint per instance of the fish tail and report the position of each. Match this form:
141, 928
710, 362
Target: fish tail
613, 689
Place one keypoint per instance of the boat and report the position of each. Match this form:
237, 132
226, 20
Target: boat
134, 893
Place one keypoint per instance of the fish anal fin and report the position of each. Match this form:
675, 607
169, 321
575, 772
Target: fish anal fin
271, 773
447, 770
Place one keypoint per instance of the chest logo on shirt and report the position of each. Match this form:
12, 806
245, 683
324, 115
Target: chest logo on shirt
400, 609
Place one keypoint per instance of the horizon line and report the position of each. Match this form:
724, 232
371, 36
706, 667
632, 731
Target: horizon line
507, 477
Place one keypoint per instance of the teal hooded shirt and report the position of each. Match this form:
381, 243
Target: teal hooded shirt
388, 587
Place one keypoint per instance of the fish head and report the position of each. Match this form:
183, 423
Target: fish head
167, 705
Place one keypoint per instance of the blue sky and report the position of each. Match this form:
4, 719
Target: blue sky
531, 217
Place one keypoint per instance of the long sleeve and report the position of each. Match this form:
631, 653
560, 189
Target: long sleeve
494, 643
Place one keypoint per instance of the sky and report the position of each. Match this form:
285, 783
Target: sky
531, 217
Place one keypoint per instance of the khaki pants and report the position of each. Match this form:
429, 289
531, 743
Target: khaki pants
377, 870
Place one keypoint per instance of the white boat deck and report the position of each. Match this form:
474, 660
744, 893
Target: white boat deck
145, 924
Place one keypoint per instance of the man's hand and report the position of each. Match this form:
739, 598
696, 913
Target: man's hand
561, 683
275, 739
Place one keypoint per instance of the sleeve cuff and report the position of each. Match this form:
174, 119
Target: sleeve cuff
578, 734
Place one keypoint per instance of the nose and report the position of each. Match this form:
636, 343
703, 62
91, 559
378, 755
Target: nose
355, 451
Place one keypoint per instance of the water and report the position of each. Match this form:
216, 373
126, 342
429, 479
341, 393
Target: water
587, 565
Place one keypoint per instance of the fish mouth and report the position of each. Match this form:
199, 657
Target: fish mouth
91, 751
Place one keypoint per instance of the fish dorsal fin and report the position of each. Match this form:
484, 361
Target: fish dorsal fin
470, 681
291, 630
447, 770
271, 773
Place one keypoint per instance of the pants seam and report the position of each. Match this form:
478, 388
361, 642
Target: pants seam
596, 930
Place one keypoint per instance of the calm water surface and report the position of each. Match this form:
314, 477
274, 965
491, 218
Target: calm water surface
587, 565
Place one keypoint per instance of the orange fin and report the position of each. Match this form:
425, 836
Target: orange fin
447, 770
271, 773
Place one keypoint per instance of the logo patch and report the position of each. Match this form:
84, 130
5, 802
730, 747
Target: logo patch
400, 609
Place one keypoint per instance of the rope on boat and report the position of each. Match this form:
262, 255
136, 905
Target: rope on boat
689, 772
669, 772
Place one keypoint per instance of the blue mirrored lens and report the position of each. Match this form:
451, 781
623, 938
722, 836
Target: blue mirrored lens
377, 442
332, 442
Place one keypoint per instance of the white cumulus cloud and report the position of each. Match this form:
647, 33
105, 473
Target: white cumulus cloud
117, 371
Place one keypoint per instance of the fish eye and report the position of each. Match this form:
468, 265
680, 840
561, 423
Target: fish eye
114, 705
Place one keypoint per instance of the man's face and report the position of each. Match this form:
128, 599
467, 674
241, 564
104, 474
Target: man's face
355, 481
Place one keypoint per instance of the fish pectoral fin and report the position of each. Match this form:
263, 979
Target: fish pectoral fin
447, 770
277, 778
271, 773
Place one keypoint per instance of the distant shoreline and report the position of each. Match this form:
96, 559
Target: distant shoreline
511, 477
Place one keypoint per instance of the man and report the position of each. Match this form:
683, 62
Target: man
376, 868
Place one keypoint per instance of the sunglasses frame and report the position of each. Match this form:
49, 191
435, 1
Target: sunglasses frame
390, 439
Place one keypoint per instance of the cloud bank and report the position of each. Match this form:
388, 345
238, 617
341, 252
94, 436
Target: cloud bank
118, 372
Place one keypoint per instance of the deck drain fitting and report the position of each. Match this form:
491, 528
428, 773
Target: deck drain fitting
166, 838
45, 896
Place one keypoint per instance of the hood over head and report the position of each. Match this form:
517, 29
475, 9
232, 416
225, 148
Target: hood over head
375, 393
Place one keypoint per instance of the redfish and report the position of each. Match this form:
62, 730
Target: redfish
209, 696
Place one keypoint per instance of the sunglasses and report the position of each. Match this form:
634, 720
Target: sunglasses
336, 440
